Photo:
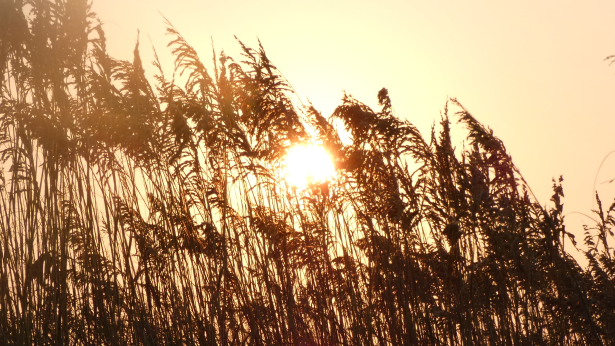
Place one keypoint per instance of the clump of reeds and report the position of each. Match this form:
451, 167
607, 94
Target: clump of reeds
135, 213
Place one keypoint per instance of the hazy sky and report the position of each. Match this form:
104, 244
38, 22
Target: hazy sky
533, 71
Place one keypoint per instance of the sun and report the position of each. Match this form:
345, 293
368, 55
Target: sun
307, 164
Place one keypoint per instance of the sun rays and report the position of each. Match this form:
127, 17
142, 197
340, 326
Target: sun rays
307, 164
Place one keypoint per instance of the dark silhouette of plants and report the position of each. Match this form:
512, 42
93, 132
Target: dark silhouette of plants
135, 213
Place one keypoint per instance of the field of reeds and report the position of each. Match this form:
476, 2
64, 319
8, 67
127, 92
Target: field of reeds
153, 212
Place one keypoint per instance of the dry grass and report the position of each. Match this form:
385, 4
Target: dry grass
133, 213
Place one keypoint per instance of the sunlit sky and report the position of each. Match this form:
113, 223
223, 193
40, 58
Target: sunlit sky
533, 71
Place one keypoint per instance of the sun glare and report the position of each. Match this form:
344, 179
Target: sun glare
307, 164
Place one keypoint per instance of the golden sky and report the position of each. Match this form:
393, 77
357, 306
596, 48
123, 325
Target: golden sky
533, 71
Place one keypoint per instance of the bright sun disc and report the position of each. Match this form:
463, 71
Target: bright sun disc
307, 164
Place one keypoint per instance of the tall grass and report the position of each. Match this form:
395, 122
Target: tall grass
136, 213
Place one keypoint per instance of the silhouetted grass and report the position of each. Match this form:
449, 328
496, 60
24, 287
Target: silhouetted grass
135, 213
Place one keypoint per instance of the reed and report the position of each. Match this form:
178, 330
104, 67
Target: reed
140, 213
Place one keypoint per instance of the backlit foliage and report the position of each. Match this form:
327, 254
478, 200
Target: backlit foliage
136, 211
